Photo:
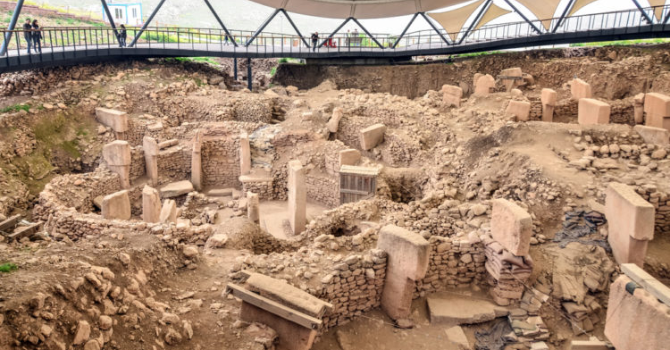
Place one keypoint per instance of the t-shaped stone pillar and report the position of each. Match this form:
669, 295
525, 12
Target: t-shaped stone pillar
297, 197
245, 154
408, 255
116, 206
631, 223
549, 99
151, 149
196, 162
117, 157
253, 207
169, 212
151, 204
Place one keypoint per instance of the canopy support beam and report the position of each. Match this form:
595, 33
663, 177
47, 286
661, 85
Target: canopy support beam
564, 15
111, 20
146, 24
481, 13
368, 33
405, 30
218, 19
262, 27
295, 28
12, 26
646, 16
523, 16
335, 32
423, 14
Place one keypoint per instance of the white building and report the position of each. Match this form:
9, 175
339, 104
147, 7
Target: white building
124, 13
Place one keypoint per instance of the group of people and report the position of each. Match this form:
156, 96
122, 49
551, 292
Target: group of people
33, 35
32, 32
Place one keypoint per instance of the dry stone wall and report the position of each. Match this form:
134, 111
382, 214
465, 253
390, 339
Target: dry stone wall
221, 162
323, 189
138, 165
174, 164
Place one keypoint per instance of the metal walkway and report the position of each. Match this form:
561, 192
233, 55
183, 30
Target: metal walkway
70, 46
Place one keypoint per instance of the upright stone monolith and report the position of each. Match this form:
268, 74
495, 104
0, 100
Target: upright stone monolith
116, 206
297, 197
117, 157
253, 207
549, 99
245, 154
196, 162
151, 150
151, 204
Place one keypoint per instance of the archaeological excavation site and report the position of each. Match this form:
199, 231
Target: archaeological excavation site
515, 200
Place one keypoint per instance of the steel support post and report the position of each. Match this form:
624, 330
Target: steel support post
476, 20
146, 24
235, 68
12, 25
295, 28
564, 15
423, 14
368, 33
111, 20
667, 17
250, 77
395, 44
260, 30
646, 16
218, 19
524, 17
335, 31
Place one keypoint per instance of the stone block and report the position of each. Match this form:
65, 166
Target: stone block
636, 320
519, 109
549, 99
457, 338
297, 197
512, 78
349, 157
452, 95
511, 226
652, 135
648, 282
114, 119
580, 89
117, 157
407, 262
589, 345
116, 206
151, 150
253, 207
631, 223
638, 108
151, 204
168, 212
657, 110
333, 124
372, 136
484, 85
459, 310
245, 154
177, 189
196, 162
592, 112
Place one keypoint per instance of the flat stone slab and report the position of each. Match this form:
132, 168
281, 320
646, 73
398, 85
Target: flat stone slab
462, 310
457, 337
177, 189
220, 192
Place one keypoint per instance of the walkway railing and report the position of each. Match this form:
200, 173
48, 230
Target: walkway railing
208, 40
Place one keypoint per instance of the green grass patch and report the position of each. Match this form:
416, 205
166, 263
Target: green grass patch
478, 54
273, 71
622, 42
15, 108
8, 267
71, 148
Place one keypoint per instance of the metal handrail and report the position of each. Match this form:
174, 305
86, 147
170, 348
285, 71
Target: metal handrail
57, 40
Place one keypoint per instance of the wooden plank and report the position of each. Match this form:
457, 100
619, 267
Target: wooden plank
9, 224
274, 307
648, 282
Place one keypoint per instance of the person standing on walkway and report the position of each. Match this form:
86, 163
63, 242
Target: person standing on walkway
226, 42
28, 33
37, 37
123, 35
315, 39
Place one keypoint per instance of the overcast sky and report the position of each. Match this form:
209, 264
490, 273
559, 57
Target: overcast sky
246, 15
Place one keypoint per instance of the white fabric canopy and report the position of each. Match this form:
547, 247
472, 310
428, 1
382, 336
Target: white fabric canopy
659, 11
361, 9
579, 5
543, 10
453, 21
492, 13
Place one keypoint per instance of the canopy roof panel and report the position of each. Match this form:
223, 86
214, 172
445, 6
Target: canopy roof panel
453, 21
361, 9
